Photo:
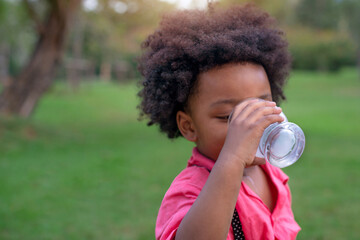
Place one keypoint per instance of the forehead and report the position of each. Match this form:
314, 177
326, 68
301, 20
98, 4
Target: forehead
236, 81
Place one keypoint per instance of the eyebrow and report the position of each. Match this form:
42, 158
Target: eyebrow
234, 101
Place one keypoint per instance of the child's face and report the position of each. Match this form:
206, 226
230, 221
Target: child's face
218, 91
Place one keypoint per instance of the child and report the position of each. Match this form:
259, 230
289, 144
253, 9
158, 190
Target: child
199, 67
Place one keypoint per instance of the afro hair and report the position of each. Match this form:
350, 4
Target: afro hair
190, 42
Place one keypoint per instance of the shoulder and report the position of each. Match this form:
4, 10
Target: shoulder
187, 184
178, 200
193, 175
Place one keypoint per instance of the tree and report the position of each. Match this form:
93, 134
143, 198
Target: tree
23, 92
113, 32
329, 15
351, 13
15, 45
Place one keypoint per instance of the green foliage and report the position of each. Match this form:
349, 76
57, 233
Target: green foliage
112, 36
338, 15
3, 9
351, 12
321, 50
84, 168
319, 14
280, 9
17, 32
107, 35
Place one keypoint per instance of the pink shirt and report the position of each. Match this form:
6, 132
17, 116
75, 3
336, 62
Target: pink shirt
257, 220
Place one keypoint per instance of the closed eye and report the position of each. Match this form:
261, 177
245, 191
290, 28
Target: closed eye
223, 117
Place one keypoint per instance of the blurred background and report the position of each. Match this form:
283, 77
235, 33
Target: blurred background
75, 163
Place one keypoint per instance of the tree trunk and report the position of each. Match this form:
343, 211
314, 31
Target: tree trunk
4, 65
105, 71
358, 60
74, 71
23, 93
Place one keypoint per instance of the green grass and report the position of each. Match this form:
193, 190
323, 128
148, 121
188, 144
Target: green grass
325, 182
84, 168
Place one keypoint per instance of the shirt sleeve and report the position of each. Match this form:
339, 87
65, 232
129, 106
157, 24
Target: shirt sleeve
176, 203
178, 200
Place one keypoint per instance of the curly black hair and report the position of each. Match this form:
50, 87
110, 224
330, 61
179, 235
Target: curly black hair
190, 42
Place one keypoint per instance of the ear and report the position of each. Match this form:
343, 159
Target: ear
186, 126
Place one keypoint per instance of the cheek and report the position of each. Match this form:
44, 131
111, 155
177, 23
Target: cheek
222, 136
218, 140
216, 132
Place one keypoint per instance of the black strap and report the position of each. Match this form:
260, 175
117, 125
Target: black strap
237, 227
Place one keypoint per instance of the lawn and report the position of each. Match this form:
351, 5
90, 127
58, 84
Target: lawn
83, 167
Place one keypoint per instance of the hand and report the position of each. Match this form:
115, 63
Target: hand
246, 126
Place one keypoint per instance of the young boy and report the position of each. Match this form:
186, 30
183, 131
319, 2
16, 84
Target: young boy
199, 67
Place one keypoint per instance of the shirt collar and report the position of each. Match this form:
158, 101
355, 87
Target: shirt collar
197, 159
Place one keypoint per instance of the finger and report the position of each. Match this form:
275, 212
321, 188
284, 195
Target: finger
238, 108
249, 109
253, 106
265, 121
263, 111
